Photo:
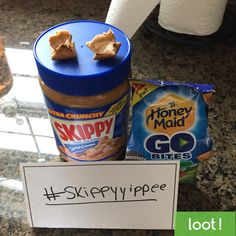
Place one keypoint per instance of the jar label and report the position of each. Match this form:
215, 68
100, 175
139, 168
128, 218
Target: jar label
90, 134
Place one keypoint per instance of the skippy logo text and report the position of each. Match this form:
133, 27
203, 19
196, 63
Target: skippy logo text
78, 130
171, 114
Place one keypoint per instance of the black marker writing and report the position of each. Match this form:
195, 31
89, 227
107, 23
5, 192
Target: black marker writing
94, 191
114, 190
144, 192
70, 192
52, 195
86, 192
104, 189
123, 190
78, 192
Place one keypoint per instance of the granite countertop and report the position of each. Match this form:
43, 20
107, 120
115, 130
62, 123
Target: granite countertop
153, 58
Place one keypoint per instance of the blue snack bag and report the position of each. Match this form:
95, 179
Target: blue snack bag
169, 122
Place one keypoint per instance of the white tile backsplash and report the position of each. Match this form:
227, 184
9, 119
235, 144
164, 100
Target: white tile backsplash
19, 142
10, 124
21, 61
27, 92
41, 126
47, 145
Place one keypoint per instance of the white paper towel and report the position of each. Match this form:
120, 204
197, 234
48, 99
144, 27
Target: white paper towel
128, 15
195, 17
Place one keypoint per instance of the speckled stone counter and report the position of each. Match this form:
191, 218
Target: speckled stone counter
153, 58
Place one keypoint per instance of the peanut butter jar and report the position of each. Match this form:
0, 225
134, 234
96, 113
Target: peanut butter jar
87, 99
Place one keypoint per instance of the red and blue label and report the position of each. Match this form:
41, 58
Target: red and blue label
90, 134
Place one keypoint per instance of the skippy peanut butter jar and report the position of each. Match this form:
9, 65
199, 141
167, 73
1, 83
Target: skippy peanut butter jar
83, 68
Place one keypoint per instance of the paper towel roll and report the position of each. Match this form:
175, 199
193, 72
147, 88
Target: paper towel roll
128, 15
195, 17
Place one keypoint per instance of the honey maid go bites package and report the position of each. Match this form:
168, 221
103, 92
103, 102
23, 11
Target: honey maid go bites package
169, 122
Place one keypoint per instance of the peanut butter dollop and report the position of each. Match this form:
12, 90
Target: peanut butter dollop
104, 45
62, 46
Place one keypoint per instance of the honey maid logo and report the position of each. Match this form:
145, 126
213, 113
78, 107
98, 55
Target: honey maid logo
170, 114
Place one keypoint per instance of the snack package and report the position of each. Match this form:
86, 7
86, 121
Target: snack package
169, 122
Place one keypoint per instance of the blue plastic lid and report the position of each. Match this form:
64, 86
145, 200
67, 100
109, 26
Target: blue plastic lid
82, 76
